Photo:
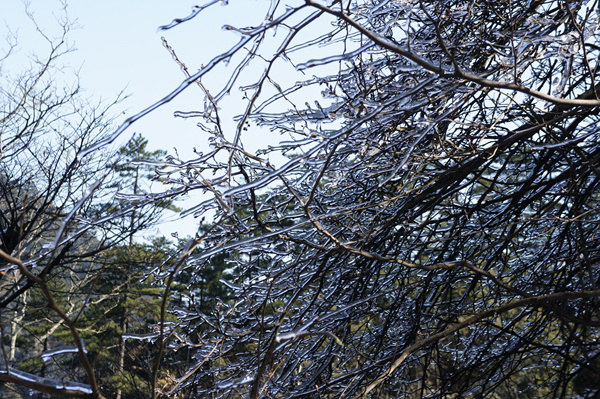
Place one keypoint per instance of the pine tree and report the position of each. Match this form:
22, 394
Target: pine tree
136, 296
126, 303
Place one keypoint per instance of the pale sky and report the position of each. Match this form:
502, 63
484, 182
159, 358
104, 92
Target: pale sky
119, 47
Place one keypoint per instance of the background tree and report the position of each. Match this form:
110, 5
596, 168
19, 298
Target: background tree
135, 174
435, 232
122, 306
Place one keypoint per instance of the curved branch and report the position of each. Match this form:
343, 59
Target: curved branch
52, 304
47, 385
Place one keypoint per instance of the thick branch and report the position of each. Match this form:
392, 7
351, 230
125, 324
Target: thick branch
47, 385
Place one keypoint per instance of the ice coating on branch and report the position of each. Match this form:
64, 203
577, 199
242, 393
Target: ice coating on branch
70, 386
334, 58
59, 385
141, 337
8, 268
286, 336
195, 11
240, 381
47, 355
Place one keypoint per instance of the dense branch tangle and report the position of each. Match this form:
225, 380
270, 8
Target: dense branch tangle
437, 216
